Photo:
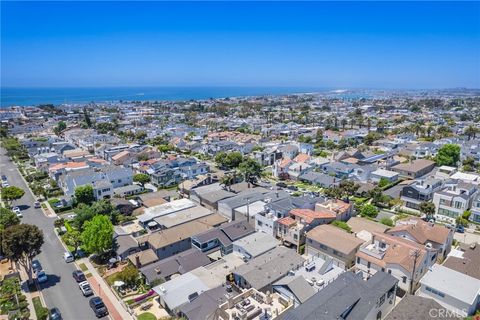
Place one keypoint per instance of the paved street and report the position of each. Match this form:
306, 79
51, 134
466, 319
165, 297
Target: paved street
61, 291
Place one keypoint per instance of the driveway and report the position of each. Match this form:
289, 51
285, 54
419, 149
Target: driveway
61, 290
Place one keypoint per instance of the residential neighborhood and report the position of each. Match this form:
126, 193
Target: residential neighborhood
262, 207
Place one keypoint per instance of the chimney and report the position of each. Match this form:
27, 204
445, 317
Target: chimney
137, 262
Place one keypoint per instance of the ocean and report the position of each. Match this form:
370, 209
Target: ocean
34, 96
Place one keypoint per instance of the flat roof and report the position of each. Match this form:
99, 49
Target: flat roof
179, 217
257, 243
452, 283
164, 209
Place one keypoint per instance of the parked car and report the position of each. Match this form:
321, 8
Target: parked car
36, 266
98, 307
85, 288
79, 276
36, 205
4, 177
293, 188
460, 229
282, 184
54, 314
5, 184
42, 277
68, 257
17, 211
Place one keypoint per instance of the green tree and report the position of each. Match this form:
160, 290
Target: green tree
129, 275
369, 210
383, 182
460, 221
141, 178
448, 155
84, 194
428, 209
97, 236
61, 125
74, 238
12, 193
84, 213
21, 243
229, 160
7, 218
250, 169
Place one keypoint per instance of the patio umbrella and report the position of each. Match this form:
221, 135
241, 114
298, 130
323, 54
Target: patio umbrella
118, 283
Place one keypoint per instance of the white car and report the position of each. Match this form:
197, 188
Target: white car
68, 257
5, 184
17, 211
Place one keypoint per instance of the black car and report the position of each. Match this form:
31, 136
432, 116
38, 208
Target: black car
293, 188
98, 307
4, 177
79, 276
54, 314
36, 266
282, 184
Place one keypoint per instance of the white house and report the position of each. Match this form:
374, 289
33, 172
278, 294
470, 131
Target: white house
453, 290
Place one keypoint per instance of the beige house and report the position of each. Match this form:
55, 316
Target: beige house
327, 241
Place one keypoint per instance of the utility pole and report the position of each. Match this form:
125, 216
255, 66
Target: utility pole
414, 254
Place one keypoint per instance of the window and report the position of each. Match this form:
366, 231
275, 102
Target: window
368, 264
438, 293
358, 259
389, 271
382, 300
404, 279
260, 223
458, 204
295, 236
383, 269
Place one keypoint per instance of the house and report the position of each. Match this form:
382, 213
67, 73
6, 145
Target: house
151, 213
414, 169
403, 259
166, 177
349, 297
424, 233
142, 258
222, 237
455, 291
454, 199
171, 241
291, 229
188, 286
44, 160
327, 241
289, 151
422, 190
125, 245
177, 264
251, 304
55, 170
320, 179
254, 245
303, 282
209, 195
415, 307
465, 259
379, 174
341, 209
206, 303
103, 180
261, 272
267, 220
364, 228
128, 191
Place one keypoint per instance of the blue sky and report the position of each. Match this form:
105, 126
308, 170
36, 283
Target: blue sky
318, 44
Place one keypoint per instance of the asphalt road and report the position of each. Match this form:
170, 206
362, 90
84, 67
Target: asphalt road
61, 290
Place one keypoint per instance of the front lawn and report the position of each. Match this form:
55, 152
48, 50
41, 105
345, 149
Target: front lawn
146, 316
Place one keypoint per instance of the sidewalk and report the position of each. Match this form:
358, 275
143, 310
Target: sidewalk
98, 284
29, 295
